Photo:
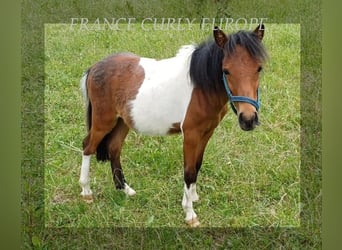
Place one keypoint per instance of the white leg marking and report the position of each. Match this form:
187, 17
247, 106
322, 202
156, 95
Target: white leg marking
194, 194
84, 178
128, 190
189, 196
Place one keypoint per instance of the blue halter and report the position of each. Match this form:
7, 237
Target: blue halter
233, 99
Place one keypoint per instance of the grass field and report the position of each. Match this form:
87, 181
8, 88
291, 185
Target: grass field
247, 178
50, 161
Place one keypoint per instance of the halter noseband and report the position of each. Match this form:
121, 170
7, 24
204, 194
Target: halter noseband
233, 99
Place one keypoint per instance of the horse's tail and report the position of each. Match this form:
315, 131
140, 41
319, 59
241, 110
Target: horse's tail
102, 149
83, 85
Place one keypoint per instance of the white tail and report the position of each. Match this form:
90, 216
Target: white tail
83, 86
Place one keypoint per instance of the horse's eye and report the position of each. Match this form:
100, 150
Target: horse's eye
226, 72
259, 69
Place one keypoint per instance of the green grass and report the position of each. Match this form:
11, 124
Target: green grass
35, 203
247, 179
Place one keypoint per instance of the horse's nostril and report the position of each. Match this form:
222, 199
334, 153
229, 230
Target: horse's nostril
240, 117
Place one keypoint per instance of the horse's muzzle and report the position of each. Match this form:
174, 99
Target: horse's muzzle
248, 123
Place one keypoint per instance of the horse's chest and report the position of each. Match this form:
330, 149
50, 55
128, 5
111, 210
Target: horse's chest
162, 99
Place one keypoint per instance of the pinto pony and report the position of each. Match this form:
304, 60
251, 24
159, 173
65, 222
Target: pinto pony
185, 94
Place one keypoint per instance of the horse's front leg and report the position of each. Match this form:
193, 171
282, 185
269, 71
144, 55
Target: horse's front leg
193, 147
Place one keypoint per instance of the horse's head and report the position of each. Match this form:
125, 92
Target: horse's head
243, 58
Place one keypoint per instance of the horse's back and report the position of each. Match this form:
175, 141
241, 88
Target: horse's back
150, 95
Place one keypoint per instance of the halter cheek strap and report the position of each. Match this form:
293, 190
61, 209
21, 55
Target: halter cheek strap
233, 99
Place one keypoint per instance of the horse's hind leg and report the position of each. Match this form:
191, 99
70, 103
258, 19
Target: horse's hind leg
90, 143
86, 193
117, 137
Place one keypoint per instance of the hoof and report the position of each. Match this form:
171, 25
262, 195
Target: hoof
128, 190
194, 222
88, 198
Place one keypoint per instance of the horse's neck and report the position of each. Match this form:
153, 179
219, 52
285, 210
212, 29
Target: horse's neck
212, 103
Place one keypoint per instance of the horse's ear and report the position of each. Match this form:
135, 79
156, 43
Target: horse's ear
220, 37
259, 31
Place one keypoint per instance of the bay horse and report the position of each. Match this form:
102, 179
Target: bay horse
185, 94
